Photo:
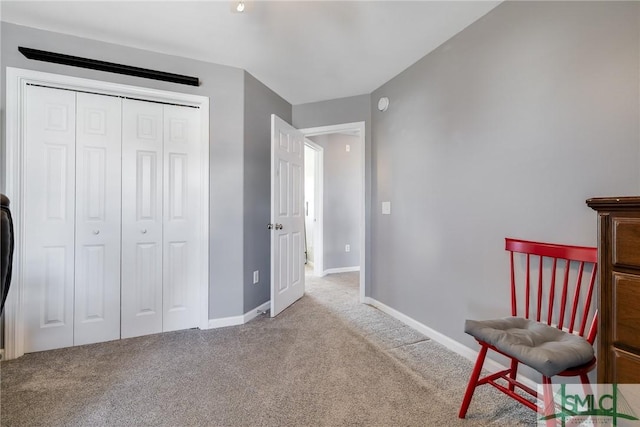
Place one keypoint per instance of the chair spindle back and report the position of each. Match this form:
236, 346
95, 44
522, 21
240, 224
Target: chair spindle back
560, 278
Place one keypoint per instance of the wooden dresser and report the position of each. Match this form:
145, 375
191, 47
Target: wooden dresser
619, 289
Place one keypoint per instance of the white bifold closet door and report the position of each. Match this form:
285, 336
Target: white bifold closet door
97, 250
72, 218
182, 206
160, 208
112, 202
49, 217
141, 218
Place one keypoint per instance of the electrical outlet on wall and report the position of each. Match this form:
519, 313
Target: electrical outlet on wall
256, 276
347, 248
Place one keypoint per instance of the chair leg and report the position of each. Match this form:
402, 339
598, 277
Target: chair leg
473, 381
586, 384
513, 374
549, 404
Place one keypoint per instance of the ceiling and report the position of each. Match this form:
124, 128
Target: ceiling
305, 51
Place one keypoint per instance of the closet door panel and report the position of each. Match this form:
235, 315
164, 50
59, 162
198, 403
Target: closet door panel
182, 206
98, 204
142, 153
49, 205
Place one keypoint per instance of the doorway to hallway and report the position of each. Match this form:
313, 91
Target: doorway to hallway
335, 201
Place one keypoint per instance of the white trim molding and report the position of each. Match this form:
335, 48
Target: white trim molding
318, 229
340, 270
223, 322
17, 81
449, 343
252, 314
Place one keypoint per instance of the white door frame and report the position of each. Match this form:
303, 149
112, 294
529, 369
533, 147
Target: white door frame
318, 241
355, 127
17, 80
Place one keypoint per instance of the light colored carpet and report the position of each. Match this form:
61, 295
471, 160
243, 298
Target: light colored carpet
325, 361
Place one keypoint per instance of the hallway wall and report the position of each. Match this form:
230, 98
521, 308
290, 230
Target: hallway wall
342, 174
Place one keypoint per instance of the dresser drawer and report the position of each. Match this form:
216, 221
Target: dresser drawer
626, 310
627, 367
626, 242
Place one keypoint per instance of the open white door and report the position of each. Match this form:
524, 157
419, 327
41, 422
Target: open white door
287, 215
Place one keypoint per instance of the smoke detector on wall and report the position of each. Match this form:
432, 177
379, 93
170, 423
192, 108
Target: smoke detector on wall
238, 6
383, 103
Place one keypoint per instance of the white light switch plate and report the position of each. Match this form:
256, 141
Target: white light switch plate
386, 208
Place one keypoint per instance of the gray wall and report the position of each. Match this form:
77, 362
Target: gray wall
259, 103
504, 130
342, 173
223, 85
336, 111
339, 111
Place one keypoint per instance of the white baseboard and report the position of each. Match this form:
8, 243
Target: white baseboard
238, 320
252, 314
340, 270
223, 322
451, 344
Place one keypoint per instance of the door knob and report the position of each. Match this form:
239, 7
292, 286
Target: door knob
279, 227
269, 226
143, 231
96, 231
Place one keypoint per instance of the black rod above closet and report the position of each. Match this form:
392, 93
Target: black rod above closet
110, 67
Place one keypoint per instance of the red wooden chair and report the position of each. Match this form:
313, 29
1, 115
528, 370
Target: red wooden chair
551, 328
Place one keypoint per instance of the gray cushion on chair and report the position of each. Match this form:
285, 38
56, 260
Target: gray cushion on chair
545, 348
